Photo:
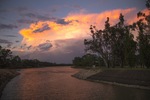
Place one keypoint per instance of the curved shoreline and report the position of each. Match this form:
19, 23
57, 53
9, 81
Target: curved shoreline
85, 73
120, 84
5, 76
106, 77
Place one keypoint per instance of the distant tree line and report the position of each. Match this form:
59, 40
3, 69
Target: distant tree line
116, 45
7, 60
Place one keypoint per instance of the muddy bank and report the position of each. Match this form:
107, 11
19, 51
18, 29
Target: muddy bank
5, 76
130, 78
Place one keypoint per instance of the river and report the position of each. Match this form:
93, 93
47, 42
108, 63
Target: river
56, 83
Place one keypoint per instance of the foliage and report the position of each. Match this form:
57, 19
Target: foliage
100, 43
7, 60
116, 45
87, 61
5, 57
143, 27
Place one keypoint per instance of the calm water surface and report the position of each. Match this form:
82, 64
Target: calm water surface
56, 83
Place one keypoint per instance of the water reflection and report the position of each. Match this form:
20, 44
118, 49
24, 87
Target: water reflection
56, 83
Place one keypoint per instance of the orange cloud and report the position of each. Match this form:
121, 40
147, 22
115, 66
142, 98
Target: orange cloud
77, 28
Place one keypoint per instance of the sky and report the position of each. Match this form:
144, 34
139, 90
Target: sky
54, 30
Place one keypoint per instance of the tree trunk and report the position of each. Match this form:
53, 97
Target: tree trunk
106, 62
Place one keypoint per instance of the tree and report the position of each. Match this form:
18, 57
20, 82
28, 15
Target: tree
5, 57
77, 62
114, 44
148, 4
123, 44
100, 42
31, 63
130, 48
87, 60
118, 41
143, 27
16, 61
7, 60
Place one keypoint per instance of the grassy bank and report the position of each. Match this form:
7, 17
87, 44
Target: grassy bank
127, 77
5, 76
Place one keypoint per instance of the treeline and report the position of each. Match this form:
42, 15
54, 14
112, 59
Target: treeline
88, 60
117, 46
7, 60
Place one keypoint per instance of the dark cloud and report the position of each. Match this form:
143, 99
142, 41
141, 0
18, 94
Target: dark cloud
25, 21
54, 10
37, 16
74, 45
9, 35
23, 46
17, 9
48, 41
21, 9
7, 26
42, 29
44, 46
74, 49
29, 47
13, 47
62, 21
76, 6
3, 10
5, 41
17, 41
9, 45
31, 15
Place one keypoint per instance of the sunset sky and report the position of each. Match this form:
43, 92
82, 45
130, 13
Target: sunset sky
54, 30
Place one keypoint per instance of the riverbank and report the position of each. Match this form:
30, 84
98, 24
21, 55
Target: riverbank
85, 73
5, 76
130, 78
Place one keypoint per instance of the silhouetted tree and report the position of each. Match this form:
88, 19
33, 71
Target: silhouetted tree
87, 60
5, 57
114, 44
143, 27
123, 44
100, 42
77, 62
16, 61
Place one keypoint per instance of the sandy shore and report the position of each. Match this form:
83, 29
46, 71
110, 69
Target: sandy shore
5, 76
129, 78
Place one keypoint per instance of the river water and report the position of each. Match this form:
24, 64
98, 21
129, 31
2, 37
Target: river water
56, 83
